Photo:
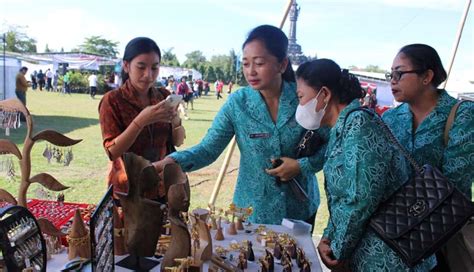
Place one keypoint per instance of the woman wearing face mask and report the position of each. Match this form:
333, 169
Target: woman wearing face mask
361, 170
135, 118
419, 123
261, 117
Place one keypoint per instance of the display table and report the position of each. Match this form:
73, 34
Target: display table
304, 241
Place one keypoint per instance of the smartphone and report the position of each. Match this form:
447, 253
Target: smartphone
173, 100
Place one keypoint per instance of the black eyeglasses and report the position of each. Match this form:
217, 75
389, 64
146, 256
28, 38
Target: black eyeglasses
396, 75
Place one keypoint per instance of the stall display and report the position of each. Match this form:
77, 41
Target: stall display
21, 242
102, 234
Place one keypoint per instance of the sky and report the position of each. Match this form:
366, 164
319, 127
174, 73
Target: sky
359, 33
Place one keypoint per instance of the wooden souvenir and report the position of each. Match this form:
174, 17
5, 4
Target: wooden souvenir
119, 234
231, 230
270, 260
278, 250
201, 236
242, 262
142, 216
300, 257
239, 225
177, 186
24, 157
219, 236
78, 239
250, 254
306, 267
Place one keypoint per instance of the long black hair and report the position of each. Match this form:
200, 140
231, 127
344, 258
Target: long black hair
424, 57
276, 43
137, 46
325, 72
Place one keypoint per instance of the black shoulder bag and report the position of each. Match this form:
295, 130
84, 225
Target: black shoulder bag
308, 145
423, 214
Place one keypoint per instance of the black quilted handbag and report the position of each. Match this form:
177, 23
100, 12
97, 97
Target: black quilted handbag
423, 214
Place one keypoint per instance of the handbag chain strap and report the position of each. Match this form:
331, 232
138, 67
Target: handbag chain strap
391, 137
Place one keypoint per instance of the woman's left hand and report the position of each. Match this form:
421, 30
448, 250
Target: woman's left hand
289, 169
327, 257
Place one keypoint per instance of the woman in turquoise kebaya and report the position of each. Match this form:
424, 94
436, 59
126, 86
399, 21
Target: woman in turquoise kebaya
261, 117
419, 123
362, 169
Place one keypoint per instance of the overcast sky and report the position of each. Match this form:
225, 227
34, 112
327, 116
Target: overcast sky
356, 33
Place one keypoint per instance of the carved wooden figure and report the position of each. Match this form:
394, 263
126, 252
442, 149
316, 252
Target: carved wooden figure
270, 260
278, 250
119, 234
219, 236
142, 216
198, 219
79, 239
178, 194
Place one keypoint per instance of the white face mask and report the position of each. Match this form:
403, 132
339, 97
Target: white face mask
307, 116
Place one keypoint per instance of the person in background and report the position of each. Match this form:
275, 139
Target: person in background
21, 85
206, 88
419, 122
92, 84
135, 117
66, 81
49, 79
40, 78
362, 168
229, 87
55, 81
34, 83
261, 116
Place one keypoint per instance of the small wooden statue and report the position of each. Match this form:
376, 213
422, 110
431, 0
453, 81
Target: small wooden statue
201, 236
270, 260
219, 236
278, 250
242, 261
178, 189
119, 234
78, 239
250, 254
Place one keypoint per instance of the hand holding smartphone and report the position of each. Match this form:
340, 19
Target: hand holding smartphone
173, 100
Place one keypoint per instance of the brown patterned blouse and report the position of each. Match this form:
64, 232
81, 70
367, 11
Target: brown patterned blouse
117, 109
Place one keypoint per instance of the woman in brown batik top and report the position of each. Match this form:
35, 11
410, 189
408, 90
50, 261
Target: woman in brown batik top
134, 118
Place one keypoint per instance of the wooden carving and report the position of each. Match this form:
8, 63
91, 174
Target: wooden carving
78, 239
142, 216
178, 194
201, 236
119, 234
6, 146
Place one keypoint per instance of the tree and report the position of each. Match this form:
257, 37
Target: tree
374, 68
99, 46
47, 50
169, 58
210, 74
194, 59
17, 41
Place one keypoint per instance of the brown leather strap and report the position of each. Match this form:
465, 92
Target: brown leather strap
449, 122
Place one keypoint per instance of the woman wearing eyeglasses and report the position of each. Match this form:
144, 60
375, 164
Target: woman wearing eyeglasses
419, 122
362, 168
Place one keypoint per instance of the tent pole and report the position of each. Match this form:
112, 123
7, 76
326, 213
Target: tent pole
232, 143
458, 39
